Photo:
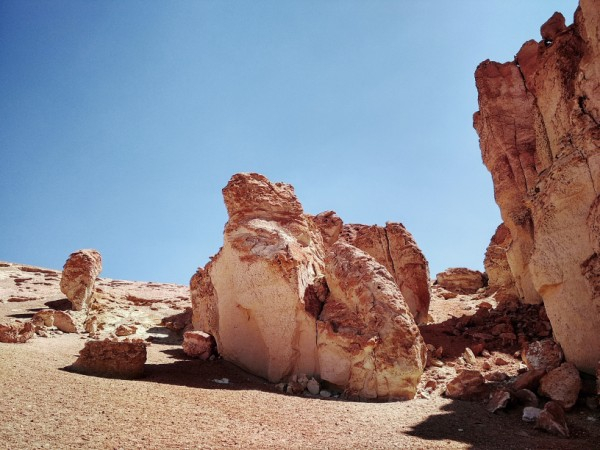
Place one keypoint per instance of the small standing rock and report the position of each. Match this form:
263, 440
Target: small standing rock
552, 419
198, 344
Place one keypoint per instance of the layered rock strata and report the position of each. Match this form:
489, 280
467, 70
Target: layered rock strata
461, 280
78, 277
539, 129
284, 297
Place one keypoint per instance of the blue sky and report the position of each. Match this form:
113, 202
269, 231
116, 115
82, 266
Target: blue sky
121, 121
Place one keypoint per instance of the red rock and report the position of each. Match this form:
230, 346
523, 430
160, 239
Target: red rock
112, 359
526, 397
199, 344
43, 318
330, 225
395, 248
16, 333
125, 330
461, 280
545, 354
538, 128
496, 376
78, 277
467, 384
178, 322
498, 400
552, 419
528, 380
477, 349
562, 385
499, 361
64, 322
501, 282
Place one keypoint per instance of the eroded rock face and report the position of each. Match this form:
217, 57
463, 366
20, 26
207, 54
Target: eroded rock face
497, 268
395, 248
112, 359
461, 280
16, 333
368, 342
78, 277
539, 130
266, 299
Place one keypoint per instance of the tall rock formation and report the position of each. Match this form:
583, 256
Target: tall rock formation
395, 248
539, 129
501, 282
78, 277
267, 300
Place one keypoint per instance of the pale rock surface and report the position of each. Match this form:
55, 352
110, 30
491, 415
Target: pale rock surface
498, 400
538, 123
64, 322
112, 359
500, 278
198, 344
461, 280
395, 248
545, 354
562, 385
552, 419
78, 277
368, 342
125, 330
16, 333
264, 293
531, 413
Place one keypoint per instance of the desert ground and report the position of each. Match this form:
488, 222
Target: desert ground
186, 403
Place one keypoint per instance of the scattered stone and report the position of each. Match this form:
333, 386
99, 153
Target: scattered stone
552, 419
562, 385
221, 380
325, 394
526, 397
198, 344
16, 333
477, 349
64, 322
528, 380
500, 361
467, 384
179, 322
469, 357
112, 359
496, 376
486, 365
545, 354
44, 318
78, 277
125, 330
313, 386
485, 354
498, 400
531, 413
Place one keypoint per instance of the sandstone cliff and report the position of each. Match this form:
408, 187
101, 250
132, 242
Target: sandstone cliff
285, 297
539, 132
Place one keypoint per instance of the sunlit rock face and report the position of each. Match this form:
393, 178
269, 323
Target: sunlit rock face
267, 300
539, 129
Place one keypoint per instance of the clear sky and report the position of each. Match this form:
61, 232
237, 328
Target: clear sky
121, 121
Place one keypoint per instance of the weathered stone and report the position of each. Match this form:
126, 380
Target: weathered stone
496, 376
500, 278
395, 248
538, 126
552, 419
270, 290
198, 344
465, 385
528, 380
498, 400
125, 330
330, 225
562, 385
553, 26
313, 386
16, 333
363, 320
461, 280
526, 397
469, 356
531, 413
43, 318
545, 354
78, 277
179, 322
64, 322
112, 359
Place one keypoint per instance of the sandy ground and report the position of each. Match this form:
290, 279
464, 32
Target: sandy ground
179, 405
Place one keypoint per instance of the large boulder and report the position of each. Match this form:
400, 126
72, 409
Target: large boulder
562, 385
112, 359
461, 280
395, 248
264, 298
78, 277
538, 127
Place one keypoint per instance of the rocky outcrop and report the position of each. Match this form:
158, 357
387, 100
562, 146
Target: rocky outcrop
112, 359
283, 297
500, 278
539, 130
16, 333
461, 280
78, 277
395, 248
